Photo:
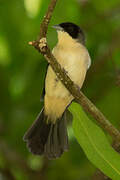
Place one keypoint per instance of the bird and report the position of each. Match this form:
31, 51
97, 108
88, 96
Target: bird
48, 134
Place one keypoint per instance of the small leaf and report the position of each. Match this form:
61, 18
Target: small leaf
95, 144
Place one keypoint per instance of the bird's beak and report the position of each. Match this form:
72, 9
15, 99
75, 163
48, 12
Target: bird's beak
58, 27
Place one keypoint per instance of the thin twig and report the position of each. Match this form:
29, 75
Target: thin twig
46, 19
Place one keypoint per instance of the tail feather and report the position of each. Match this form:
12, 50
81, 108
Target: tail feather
62, 133
53, 147
47, 138
38, 123
37, 135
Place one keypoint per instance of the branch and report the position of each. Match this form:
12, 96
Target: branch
46, 19
42, 46
88, 106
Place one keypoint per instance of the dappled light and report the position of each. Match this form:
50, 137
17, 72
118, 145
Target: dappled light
32, 7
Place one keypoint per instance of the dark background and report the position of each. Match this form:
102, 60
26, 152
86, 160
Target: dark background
22, 71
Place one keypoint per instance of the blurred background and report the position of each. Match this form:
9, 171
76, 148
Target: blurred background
22, 71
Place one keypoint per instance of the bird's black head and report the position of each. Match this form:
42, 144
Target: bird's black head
73, 30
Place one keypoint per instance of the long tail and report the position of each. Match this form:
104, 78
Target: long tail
47, 138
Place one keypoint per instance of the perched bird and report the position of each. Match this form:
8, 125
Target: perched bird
48, 134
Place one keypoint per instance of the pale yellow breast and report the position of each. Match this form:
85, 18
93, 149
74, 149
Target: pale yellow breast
57, 97
74, 60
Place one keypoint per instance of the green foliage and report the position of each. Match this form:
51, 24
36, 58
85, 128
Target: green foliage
95, 144
22, 72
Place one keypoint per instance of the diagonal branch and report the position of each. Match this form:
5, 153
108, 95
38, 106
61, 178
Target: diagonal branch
42, 46
46, 19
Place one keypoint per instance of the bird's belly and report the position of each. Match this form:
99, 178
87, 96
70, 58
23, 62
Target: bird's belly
53, 86
57, 97
75, 68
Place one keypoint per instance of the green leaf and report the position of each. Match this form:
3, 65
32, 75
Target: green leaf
95, 144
